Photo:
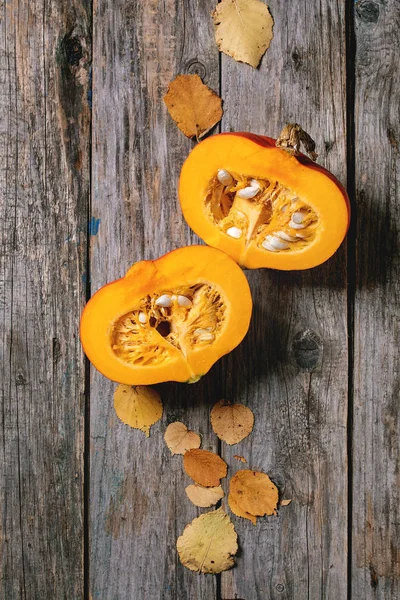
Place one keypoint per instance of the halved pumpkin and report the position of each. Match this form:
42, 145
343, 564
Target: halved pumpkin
167, 320
261, 205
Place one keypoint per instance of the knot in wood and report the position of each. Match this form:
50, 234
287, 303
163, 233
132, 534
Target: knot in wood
195, 67
20, 379
368, 11
306, 350
72, 50
296, 58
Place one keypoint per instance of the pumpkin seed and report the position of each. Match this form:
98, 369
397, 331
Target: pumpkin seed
184, 302
201, 330
294, 225
234, 232
266, 244
142, 318
277, 242
206, 337
298, 217
164, 301
286, 236
250, 191
224, 177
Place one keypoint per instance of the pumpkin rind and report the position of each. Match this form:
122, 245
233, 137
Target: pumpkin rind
199, 268
258, 157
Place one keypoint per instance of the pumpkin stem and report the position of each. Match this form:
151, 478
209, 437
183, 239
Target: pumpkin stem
292, 136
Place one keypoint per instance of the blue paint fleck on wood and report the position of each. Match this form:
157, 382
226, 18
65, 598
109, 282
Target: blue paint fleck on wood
94, 225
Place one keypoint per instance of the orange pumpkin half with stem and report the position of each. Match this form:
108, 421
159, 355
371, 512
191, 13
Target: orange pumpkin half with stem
169, 319
264, 205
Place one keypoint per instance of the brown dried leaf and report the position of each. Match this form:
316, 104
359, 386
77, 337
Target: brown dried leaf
243, 29
209, 543
231, 422
204, 496
192, 105
204, 467
241, 458
179, 438
139, 407
254, 492
235, 508
285, 502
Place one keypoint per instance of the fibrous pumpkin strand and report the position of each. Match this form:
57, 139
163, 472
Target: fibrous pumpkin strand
260, 212
183, 318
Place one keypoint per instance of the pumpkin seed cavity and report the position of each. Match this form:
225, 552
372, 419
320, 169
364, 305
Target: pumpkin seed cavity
186, 318
261, 212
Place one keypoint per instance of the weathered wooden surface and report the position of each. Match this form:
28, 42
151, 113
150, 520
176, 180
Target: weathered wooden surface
292, 369
44, 191
138, 501
298, 396
376, 482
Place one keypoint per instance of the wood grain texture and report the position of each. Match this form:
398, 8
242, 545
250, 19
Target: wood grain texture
376, 482
138, 503
292, 368
44, 190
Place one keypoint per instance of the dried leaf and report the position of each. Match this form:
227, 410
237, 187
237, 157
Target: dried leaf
139, 407
231, 422
179, 438
285, 502
241, 458
235, 508
243, 29
208, 543
204, 496
192, 105
204, 467
254, 492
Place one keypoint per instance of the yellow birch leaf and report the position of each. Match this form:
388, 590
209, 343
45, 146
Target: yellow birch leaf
243, 29
179, 438
204, 497
192, 105
209, 543
254, 492
138, 406
204, 467
235, 508
231, 422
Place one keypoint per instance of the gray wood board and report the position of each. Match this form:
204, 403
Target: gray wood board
44, 190
300, 407
376, 483
138, 505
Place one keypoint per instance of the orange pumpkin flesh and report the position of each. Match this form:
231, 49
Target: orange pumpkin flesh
168, 319
265, 232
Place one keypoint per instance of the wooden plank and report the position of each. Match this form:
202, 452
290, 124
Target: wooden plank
376, 530
299, 402
44, 188
138, 503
